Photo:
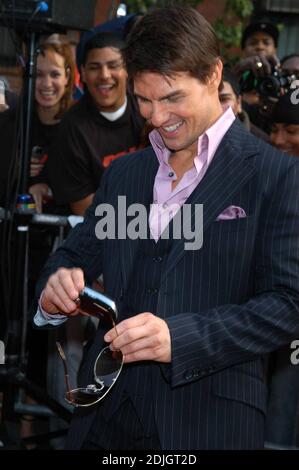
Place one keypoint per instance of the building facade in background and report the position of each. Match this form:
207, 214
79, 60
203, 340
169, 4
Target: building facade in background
282, 12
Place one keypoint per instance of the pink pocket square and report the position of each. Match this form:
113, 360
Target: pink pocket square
232, 212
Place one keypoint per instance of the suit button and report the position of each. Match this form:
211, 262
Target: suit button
152, 290
158, 259
188, 375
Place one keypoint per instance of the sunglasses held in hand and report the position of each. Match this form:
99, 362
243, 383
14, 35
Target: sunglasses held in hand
108, 364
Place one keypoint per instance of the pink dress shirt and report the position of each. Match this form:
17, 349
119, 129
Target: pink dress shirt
167, 202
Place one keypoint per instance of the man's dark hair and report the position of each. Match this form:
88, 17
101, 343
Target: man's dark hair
100, 40
171, 40
285, 111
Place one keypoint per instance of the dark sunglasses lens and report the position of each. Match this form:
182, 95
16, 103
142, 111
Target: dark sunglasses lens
108, 366
106, 370
85, 395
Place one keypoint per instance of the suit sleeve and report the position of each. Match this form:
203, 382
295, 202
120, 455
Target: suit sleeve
82, 249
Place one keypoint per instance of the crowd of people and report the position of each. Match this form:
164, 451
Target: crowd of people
205, 334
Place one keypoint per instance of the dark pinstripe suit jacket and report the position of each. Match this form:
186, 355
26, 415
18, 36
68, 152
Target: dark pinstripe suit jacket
227, 304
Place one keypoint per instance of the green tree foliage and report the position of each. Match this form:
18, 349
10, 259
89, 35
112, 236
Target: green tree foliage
228, 29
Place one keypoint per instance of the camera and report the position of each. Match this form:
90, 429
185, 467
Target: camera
270, 86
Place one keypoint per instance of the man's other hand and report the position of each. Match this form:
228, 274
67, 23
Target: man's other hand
144, 337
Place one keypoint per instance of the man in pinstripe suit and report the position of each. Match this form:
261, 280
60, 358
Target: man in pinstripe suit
194, 324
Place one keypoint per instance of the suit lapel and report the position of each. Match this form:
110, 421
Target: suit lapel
228, 172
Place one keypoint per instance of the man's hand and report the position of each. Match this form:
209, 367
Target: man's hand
62, 289
144, 337
261, 65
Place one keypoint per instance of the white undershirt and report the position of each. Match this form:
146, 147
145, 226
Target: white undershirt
115, 114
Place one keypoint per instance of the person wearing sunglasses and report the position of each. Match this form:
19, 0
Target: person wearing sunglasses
194, 319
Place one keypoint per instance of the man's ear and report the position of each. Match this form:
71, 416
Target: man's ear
215, 77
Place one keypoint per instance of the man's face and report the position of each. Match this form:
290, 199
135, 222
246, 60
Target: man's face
105, 77
286, 138
228, 97
259, 43
181, 108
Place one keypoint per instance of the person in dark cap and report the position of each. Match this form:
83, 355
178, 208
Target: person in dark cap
285, 129
259, 43
260, 37
118, 26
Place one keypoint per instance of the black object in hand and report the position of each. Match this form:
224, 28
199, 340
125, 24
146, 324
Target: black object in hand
96, 304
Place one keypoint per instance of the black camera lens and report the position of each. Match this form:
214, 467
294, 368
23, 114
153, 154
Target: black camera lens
269, 86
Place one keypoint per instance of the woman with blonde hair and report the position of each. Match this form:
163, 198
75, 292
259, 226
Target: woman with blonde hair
54, 83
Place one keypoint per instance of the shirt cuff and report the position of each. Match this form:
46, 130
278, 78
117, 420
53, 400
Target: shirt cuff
43, 318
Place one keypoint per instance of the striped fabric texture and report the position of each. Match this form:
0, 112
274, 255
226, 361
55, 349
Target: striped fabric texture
227, 304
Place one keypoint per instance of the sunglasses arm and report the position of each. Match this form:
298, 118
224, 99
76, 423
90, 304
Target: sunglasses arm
66, 374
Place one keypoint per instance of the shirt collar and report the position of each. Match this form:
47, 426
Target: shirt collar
209, 140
